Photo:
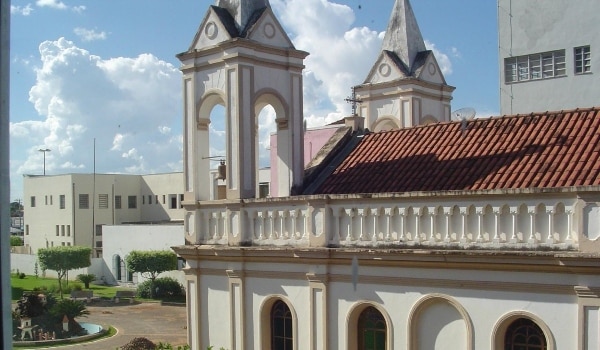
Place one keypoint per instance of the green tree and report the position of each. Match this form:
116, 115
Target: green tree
151, 263
63, 259
16, 241
86, 279
16, 209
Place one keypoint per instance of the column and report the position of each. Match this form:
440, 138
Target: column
236, 302
447, 215
532, 238
479, 212
497, 213
463, 216
318, 311
388, 215
402, 228
550, 213
350, 234
432, 233
514, 212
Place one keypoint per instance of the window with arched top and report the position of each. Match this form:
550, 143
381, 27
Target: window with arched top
371, 330
282, 335
524, 334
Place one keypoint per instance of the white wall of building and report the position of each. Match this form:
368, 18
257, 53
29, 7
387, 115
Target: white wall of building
49, 223
530, 27
449, 308
120, 240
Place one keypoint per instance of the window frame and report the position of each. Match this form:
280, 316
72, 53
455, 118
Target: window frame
118, 202
62, 199
131, 202
582, 60
536, 66
84, 201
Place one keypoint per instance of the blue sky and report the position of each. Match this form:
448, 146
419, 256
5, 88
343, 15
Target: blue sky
106, 70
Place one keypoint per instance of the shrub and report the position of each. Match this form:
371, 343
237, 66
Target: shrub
76, 286
16, 241
163, 287
139, 343
22, 275
86, 279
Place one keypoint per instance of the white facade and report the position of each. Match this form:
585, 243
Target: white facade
120, 240
539, 52
436, 270
68, 210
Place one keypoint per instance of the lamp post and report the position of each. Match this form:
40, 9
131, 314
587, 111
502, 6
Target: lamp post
44, 150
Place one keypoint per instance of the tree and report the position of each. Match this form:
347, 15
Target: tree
63, 259
151, 263
16, 241
16, 209
86, 279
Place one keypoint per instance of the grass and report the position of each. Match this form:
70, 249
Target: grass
19, 285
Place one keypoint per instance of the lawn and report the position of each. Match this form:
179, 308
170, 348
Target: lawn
19, 285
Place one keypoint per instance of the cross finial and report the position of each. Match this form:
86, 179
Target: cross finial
353, 100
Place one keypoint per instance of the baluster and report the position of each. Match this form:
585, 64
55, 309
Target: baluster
550, 239
514, 212
497, 214
388, 216
447, 214
479, 212
532, 237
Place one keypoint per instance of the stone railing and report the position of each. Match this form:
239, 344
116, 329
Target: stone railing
393, 220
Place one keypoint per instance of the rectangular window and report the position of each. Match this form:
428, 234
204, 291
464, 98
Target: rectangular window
57, 229
172, 201
535, 66
156, 199
103, 201
143, 199
27, 230
180, 201
68, 230
583, 60
98, 244
61, 201
164, 199
46, 200
117, 202
62, 230
132, 202
99, 230
50, 199
84, 201
149, 199
32, 201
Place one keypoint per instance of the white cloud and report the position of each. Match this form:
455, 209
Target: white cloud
89, 34
122, 103
25, 10
52, 4
443, 60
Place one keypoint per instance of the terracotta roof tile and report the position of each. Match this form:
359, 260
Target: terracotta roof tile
540, 150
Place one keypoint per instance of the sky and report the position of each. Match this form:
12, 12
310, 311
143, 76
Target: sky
101, 76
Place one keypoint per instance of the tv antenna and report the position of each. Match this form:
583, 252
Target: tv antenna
352, 99
463, 116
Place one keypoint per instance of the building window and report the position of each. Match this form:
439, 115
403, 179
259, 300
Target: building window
50, 199
282, 337
149, 199
371, 330
68, 230
180, 201
583, 60
26, 230
263, 190
57, 229
164, 199
84, 201
117, 202
99, 230
536, 66
524, 334
103, 201
61, 200
132, 202
172, 201
32, 201
143, 199
62, 230
156, 199
46, 200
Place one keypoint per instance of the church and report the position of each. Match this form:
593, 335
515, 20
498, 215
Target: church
411, 229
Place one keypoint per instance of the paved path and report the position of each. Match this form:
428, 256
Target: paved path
150, 320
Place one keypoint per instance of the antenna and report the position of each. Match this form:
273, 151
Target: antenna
463, 116
352, 99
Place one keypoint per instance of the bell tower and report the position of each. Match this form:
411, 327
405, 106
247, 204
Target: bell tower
242, 59
406, 86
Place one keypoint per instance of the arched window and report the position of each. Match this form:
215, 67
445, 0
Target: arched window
282, 337
524, 334
371, 330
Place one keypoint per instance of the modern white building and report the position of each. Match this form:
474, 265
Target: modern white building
71, 209
549, 54
476, 235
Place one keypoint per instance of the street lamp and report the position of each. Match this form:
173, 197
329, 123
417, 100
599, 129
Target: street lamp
44, 150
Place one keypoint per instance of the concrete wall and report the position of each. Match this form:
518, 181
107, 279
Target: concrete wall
444, 308
120, 240
528, 27
26, 263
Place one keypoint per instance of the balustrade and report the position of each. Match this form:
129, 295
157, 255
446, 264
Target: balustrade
348, 223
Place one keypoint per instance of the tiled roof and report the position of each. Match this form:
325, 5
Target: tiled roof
544, 150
